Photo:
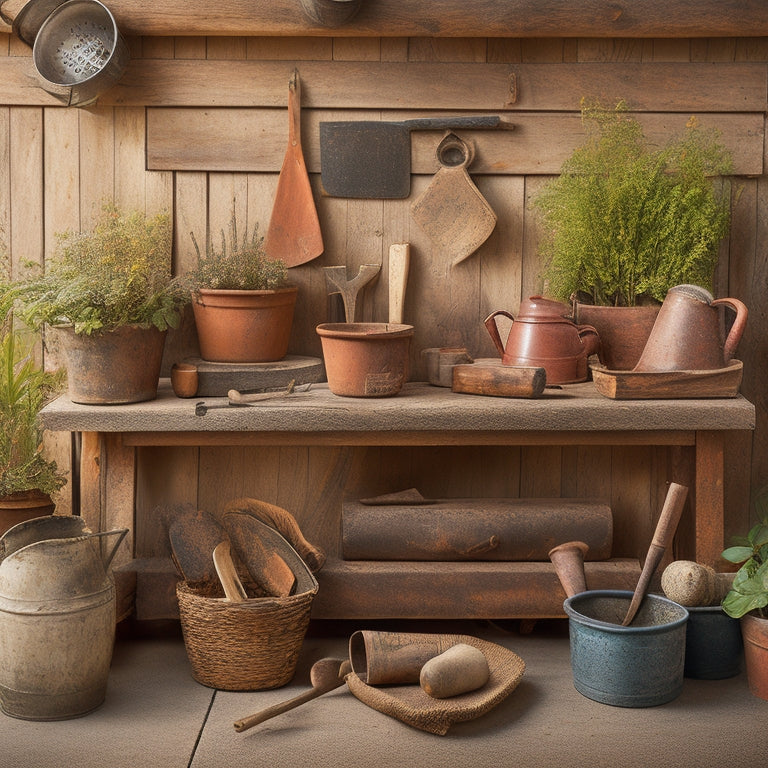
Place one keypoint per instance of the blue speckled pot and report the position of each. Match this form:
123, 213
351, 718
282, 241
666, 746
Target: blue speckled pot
713, 644
636, 666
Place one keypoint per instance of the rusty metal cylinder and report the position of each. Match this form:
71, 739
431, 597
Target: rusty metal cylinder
57, 623
474, 529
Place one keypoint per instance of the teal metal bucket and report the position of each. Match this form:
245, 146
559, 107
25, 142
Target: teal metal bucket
636, 666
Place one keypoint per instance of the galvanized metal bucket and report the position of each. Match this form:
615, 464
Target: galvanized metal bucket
636, 666
57, 618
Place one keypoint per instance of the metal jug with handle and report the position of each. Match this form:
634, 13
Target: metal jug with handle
689, 335
57, 617
542, 336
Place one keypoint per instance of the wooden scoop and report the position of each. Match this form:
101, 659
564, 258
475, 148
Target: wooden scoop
662, 538
294, 234
325, 675
225, 568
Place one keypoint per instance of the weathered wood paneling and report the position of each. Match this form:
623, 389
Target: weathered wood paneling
198, 126
448, 18
230, 139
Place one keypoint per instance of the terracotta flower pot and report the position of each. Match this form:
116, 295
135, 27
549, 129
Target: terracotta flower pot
115, 367
244, 326
366, 359
19, 507
623, 331
754, 630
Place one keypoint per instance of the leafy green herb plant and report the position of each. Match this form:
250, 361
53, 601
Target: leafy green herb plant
749, 591
626, 221
117, 274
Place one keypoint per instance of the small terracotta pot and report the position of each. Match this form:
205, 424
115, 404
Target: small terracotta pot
366, 359
27, 505
114, 367
244, 326
754, 630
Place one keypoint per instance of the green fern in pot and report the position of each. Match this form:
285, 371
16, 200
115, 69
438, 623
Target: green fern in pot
626, 221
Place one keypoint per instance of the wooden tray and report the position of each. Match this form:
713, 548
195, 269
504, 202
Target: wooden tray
671, 385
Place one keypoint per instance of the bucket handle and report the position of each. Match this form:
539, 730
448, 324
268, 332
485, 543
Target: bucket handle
121, 534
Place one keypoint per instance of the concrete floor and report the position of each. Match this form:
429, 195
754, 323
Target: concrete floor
155, 714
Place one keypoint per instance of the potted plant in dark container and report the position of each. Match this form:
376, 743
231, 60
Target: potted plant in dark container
748, 598
242, 303
626, 221
109, 296
27, 477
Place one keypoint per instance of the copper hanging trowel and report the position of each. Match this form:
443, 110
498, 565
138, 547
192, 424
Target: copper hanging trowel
452, 212
294, 234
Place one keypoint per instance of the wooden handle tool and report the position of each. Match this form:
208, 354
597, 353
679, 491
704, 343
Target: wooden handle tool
662, 538
498, 380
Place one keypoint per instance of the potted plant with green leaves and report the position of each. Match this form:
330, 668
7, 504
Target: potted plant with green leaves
748, 598
28, 477
626, 221
109, 296
242, 302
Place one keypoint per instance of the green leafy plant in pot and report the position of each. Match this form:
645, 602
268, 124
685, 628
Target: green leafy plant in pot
27, 476
242, 302
748, 598
626, 221
109, 295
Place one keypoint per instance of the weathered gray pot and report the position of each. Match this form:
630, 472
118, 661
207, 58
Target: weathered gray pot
713, 644
636, 666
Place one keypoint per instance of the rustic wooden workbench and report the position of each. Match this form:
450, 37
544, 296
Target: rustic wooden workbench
421, 415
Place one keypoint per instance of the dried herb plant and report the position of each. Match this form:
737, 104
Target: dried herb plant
238, 264
626, 221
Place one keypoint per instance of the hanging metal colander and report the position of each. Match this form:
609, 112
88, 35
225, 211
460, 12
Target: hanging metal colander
78, 52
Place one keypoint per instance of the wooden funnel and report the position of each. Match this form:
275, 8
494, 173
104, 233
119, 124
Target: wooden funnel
568, 560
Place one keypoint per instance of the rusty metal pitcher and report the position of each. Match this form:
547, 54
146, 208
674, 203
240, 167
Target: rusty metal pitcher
542, 336
688, 334
57, 617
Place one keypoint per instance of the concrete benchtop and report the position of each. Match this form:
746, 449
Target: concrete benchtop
419, 407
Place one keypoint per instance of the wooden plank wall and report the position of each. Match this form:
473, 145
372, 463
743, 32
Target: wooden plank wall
198, 126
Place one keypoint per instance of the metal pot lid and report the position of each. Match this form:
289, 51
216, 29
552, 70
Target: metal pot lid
30, 18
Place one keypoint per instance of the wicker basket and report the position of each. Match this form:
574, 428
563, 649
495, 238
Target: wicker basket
248, 646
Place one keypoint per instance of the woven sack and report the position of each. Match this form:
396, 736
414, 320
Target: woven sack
249, 646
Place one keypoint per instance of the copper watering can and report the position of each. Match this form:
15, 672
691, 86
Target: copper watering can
542, 336
688, 334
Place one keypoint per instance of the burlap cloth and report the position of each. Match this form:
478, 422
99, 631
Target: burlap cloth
413, 706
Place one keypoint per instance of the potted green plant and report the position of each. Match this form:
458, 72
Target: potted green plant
747, 599
109, 295
242, 303
626, 221
27, 477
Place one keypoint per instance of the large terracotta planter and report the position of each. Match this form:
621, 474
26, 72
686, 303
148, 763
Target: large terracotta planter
754, 630
112, 368
244, 326
623, 331
19, 507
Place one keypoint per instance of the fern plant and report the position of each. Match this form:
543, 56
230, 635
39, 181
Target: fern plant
626, 221
24, 390
116, 274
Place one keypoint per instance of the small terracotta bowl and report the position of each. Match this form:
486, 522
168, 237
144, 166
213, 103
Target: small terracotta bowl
366, 359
